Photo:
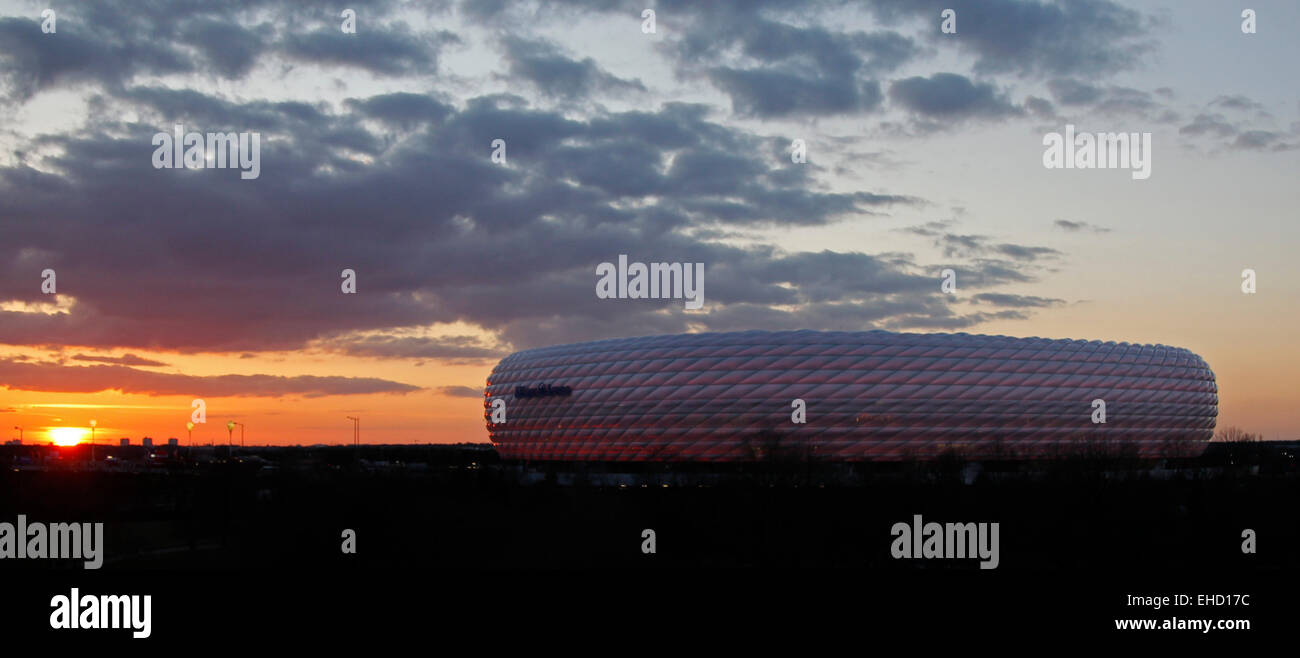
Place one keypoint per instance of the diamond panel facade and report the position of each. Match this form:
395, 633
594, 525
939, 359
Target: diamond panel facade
871, 395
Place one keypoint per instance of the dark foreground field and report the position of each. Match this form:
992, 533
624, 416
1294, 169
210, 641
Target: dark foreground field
416, 506
451, 543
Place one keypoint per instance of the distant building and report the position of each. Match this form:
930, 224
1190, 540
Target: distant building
13, 442
146, 442
173, 442
124, 442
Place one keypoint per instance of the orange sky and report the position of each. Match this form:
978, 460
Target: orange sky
418, 417
1257, 392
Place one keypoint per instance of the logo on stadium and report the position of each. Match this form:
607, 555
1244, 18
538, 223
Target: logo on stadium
542, 391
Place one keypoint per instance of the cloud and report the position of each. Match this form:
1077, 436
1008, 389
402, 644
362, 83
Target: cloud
543, 64
460, 391
1016, 301
1238, 135
1238, 102
956, 245
382, 50
1075, 227
216, 39
1209, 124
951, 97
436, 232
399, 187
768, 93
231, 49
1068, 91
929, 229
124, 360
1261, 140
94, 379
804, 70
1106, 99
772, 62
402, 109
456, 349
1022, 252
31, 61
1040, 107
1034, 38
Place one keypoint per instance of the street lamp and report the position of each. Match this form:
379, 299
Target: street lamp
241, 433
189, 429
93, 423
230, 432
20, 433
356, 430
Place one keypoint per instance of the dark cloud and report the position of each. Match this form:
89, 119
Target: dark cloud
230, 49
1203, 124
401, 109
1015, 301
1127, 101
94, 379
215, 39
1239, 103
389, 51
1239, 135
1104, 99
803, 70
434, 230
31, 61
1021, 252
544, 65
1040, 107
1036, 38
1263, 140
961, 245
771, 61
1075, 227
768, 93
1068, 91
951, 97
971, 246
111, 42
124, 360
400, 188
928, 229
456, 349
991, 272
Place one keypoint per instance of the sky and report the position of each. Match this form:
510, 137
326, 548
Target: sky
924, 152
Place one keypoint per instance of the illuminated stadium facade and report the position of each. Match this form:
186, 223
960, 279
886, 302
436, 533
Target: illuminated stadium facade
871, 395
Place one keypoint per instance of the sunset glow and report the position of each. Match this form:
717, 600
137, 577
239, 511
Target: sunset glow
67, 436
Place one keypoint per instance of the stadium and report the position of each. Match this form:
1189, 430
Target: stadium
867, 396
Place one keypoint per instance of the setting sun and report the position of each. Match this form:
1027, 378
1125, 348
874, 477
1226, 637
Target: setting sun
67, 436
